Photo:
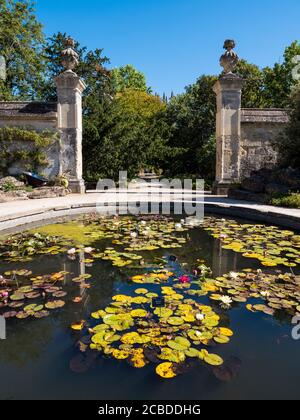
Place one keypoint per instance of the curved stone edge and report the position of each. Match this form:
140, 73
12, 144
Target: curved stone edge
35, 218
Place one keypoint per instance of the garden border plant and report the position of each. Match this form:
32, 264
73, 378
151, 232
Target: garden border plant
33, 159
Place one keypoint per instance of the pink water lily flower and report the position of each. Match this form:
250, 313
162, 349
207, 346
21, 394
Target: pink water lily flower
184, 279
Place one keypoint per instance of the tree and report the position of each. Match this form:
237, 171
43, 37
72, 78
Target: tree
21, 43
253, 89
191, 117
278, 81
113, 141
127, 77
91, 68
288, 144
140, 103
126, 133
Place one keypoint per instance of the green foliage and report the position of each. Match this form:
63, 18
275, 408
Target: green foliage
91, 68
8, 186
21, 43
140, 103
291, 200
278, 81
288, 144
31, 157
253, 89
125, 133
191, 117
127, 77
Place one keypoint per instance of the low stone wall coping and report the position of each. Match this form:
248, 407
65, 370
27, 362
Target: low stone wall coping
46, 210
264, 115
28, 110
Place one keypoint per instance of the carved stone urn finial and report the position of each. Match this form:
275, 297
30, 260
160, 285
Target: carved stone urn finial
230, 59
70, 58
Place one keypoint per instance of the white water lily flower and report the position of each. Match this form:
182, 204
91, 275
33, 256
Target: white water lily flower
133, 235
72, 251
265, 293
198, 334
200, 317
226, 300
88, 250
234, 275
178, 226
143, 223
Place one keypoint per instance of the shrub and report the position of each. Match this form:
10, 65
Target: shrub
291, 200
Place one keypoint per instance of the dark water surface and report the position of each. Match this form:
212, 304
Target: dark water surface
36, 357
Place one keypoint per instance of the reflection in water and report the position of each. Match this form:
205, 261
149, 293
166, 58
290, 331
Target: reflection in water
40, 358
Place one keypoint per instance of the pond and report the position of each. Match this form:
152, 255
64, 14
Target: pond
84, 322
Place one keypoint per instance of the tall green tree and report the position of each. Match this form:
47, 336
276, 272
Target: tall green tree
191, 117
288, 144
278, 80
125, 133
91, 68
127, 77
253, 89
21, 43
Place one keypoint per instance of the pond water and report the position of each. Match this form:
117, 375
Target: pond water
41, 358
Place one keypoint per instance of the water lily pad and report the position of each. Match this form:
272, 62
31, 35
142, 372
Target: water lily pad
41, 314
213, 359
139, 313
55, 304
120, 354
166, 370
16, 305
191, 352
10, 314
141, 291
17, 296
179, 343
176, 321
22, 315
33, 295
78, 326
59, 294
163, 312
226, 332
221, 339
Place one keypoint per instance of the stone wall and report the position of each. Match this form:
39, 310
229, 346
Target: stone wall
39, 116
259, 128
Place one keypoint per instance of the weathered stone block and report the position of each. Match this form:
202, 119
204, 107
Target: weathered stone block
47, 192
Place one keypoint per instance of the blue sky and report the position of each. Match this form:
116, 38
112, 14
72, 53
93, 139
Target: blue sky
175, 41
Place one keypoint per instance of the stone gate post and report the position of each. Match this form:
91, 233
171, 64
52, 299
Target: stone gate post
228, 122
69, 93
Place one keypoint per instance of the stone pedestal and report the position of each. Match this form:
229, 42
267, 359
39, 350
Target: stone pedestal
69, 109
228, 132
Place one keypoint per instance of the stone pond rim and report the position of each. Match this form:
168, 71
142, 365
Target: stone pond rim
16, 216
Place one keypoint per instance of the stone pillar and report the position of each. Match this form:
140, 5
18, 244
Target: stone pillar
228, 122
228, 132
69, 108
